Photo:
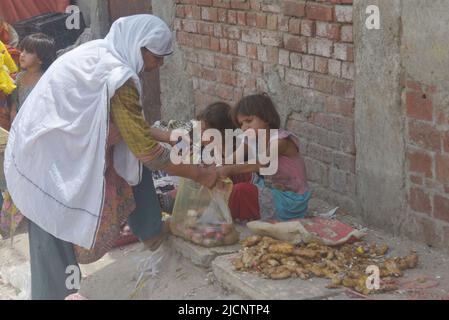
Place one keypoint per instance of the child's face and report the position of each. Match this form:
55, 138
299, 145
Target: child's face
251, 122
28, 59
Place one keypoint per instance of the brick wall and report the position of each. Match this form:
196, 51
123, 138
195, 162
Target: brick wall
230, 46
427, 139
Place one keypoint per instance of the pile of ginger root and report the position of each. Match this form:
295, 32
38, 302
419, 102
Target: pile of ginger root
345, 266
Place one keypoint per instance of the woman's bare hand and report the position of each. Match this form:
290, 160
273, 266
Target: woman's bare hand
208, 177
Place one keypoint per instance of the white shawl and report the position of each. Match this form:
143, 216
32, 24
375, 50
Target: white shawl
55, 158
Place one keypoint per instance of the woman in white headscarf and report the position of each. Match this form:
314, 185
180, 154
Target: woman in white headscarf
78, 145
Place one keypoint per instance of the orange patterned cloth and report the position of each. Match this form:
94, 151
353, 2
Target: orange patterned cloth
118, 206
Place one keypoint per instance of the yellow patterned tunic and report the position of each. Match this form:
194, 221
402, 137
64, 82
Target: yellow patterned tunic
127, 116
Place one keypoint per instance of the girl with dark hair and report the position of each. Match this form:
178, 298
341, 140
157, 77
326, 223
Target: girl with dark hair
283, 196
38, 52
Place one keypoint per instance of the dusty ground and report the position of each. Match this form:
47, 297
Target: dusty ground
114, 277
6, 291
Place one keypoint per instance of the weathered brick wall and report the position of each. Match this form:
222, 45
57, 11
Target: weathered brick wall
233, 46
427, 162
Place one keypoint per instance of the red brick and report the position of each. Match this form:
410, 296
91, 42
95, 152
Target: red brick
205, 28
251, 36
209, 14
419, 105
441, 208
207, 3
224, 48
223, 62
225, 92
297, 77
272, 22
308, 28
248, 82
343, 13
344, 89
222, 4
294, 26
428, 231
442, 168
283, 23
193, 12
319, 12
294, 8
421, 163
222, 15
446, 142
319, 153
209, 74
336, 105
420, 201
214, 44
348, 70
320, 47
240, 4
273, 55
205, 42
442, 118
233, 47
241, 18
271, 38
261, 20
416, 180
307, 62
294, 43
251, 19
321, 83
321, 65
251, 51
257, 68
227, 77
328, 30
322, 120
180, 12
207, 86
232, 32
347, 34
232, 17
424, 135
255, 5
272, 8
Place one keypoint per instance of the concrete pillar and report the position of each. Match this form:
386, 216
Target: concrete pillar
379, 117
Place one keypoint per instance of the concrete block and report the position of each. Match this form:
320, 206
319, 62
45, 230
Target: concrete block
254, 287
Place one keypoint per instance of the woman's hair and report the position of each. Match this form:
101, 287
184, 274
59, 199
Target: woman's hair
41, 45
259, 105
217, 116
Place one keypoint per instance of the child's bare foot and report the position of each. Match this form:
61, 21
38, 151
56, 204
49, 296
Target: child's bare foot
154, 243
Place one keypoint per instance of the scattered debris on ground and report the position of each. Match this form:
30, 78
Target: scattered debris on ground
346, 265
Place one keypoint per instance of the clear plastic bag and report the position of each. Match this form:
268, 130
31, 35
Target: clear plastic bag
202, 215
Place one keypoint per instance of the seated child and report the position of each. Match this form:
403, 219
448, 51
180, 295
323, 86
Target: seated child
283, 196
215, 116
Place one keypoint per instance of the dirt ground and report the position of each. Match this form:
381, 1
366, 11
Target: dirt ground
115, 276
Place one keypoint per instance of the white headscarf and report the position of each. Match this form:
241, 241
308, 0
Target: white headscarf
55, 157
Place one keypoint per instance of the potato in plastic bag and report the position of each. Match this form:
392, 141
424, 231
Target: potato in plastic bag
202, 215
